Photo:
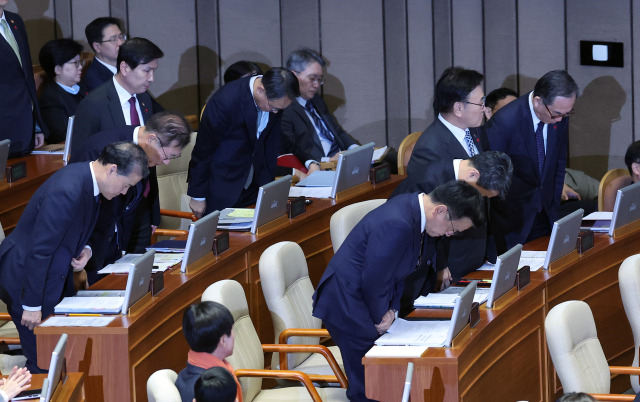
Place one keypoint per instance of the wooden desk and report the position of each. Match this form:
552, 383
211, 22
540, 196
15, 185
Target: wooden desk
15, 196
71, 391
119, 359
505, 357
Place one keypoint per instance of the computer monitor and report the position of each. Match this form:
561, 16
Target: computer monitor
564, 237
626, 209
353, 168
55, 369
67, 141
200, 240
504, 274
4, 155
272, 202
460, 317
138, 280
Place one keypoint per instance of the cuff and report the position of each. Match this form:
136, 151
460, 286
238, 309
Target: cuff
28, 308
198, 199
309, 162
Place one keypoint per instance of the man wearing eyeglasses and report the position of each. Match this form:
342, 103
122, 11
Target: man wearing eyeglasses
309, 130
105, 36
162, 138
533, 131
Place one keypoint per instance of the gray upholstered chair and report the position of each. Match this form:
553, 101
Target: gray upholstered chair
576, 351
343, 221
284, 277
629, 280
161, 387
248, 354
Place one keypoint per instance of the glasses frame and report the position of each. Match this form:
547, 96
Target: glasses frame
320, 80
559, 116
454, 232
166, 158
121, 37
78, 63
484, 99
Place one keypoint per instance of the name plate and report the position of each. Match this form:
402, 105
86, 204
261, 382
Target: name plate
380, 172
220, 243
16, 171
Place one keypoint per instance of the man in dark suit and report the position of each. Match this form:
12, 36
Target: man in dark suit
239, 141
309, 130
162, 139
50, 241
122, 100
105, 36
533, 131
459, 103
19, 103
360, 290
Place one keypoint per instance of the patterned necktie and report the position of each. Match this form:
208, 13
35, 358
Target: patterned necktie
10, 39
133, 113
469, 140
540, 147
322, 129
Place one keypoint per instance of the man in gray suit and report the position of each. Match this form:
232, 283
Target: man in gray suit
122, 100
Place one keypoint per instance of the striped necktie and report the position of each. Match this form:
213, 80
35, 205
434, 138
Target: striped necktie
323, 132
469, 140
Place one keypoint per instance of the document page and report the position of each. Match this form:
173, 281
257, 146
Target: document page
312, 192
534, 259
89, 305
447, 298
425, 333
62, 321
396, 351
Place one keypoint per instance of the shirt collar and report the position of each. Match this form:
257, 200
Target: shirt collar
109, 66
123, 94
302, 101
423, 216
96, 189
251, 81
72, 90
455, 130
456, 168
535, 118
135, 135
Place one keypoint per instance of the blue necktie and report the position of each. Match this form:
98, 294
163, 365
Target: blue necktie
540, 146
469, 139
322, 129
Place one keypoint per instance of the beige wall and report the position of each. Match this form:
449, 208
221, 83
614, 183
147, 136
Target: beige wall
384, 55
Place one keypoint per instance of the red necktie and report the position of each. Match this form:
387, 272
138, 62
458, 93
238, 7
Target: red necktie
135, 119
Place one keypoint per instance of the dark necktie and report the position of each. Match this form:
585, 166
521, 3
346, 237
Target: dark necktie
322, 129
135, 119
469, 140
540, 147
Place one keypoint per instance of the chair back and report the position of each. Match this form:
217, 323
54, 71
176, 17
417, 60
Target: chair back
247, 349
575, 349
629, 280
606, 179
343, 221
405, 151
161, 387
172, 187
284, 277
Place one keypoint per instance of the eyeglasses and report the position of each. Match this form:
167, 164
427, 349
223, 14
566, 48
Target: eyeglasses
167, 158
121, 37
478, 104
558, 116
78, 63
314, 79
454, 232
272, 109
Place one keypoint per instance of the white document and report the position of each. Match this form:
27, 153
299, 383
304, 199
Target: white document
312, 192
447, 298
162, 261
599, 216
396, 351
62, 321
534, 259
417, 333
487, 266
378, 154
89, 305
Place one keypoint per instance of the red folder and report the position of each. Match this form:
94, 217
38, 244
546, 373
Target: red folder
291, 161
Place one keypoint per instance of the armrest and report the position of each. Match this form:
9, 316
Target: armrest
283, 374
613, 397
289, 332
624, 370
178, 214
10, 341
323, 350
5, 317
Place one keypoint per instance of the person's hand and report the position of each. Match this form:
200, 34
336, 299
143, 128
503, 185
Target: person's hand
569, 194
313, 167
19, 380
80, 262
80, 280
444, 279
39, 140
335, 157
198, 207
387, 320
153, 229
31, 318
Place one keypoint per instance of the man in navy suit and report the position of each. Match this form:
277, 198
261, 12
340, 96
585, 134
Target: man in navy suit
18, 103
360, 290
238, 141
533, 130
162, 139
50, 241
309, 130
105, 36
122, 100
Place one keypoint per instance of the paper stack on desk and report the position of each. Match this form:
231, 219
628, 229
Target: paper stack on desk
446, 299
418, 333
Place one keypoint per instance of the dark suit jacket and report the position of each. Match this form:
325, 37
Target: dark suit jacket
300, 138
366, 276
101, 110
120, 210
53, 229
438, 143
226, 147
56, 106
18, 91
511, 131
96, 75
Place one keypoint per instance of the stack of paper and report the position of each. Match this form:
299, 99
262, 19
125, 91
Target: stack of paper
447, 298
418, 333
239, 219
396, 351
534, 259
602, 221
78, 321
161, 262
89, 305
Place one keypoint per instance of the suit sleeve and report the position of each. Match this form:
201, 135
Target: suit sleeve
215, 122
560, 168
386, 248
55, 218
155, 203
55, 118
498, 133
86, 122
291, 133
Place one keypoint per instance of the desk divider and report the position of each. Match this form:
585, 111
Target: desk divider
359, 189
626, 229
565, 260
274, 224
140, 304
